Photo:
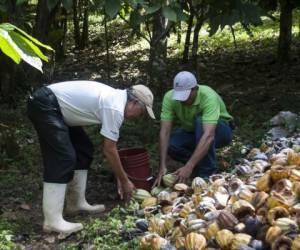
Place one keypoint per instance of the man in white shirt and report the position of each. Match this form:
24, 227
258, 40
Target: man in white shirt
58, 113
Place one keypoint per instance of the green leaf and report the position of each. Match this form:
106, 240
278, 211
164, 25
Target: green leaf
51, 4
67, 4
37, 42
7, 49
112, 7
24, 51
19, 2
7, 26
27, 46
152, 9
169, 13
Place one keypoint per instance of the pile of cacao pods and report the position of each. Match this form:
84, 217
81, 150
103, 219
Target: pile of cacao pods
256, 207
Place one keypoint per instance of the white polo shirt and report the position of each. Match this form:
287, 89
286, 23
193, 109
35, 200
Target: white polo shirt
88, 102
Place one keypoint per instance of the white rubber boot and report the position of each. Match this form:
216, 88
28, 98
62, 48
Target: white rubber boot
75, 199
53, 205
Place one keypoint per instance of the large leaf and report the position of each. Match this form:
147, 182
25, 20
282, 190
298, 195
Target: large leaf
169, 13
112, 7
7, 49
152, 8
67, 4
9, 26
27, 46
34, 61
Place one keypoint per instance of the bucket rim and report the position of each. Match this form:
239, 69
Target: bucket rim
129, 148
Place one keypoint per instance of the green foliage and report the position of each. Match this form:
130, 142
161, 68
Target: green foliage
229, 12
112, 7
18, 45
110, 233
6, 235
169, 13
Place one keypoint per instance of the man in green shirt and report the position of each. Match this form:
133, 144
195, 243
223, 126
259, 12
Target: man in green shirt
205, 126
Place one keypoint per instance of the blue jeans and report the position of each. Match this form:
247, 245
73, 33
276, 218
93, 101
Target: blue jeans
182, 145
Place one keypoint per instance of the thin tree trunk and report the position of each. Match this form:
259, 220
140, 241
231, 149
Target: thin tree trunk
76, 24
158, 49
179, 30
195, 47
233, 36
42, 21
85, 28
285, 36
107, 48
185, 56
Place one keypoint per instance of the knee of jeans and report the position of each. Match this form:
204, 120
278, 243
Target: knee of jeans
173, 149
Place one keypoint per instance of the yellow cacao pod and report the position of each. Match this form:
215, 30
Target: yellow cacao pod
272, 233
149, 202
224, 238
264, 182
240, 239
195, 241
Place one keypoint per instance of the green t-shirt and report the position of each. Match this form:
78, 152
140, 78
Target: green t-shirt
208, 104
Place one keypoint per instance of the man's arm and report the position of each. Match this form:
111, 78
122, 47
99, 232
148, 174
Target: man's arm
200, 151
112, 155
164, 136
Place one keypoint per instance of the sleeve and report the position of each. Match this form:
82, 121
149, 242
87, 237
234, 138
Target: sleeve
111, 124
167, 113
211, 111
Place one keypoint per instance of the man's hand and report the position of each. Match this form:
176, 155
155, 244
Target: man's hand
126, 190
161, 173
184, 173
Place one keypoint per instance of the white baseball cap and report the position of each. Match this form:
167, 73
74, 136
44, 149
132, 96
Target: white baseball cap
183, 82
145, 96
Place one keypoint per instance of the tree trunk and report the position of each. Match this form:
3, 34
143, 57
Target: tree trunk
158, 49
179, 31
76, 24
7, 79
285, 36
42, 21
85, 27
185, 57
195, 47
107, 48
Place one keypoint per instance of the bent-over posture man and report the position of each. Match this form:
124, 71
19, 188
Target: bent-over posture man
58, 112
204, 122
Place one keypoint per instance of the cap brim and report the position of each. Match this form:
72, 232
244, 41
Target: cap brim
181, 95
150, 112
